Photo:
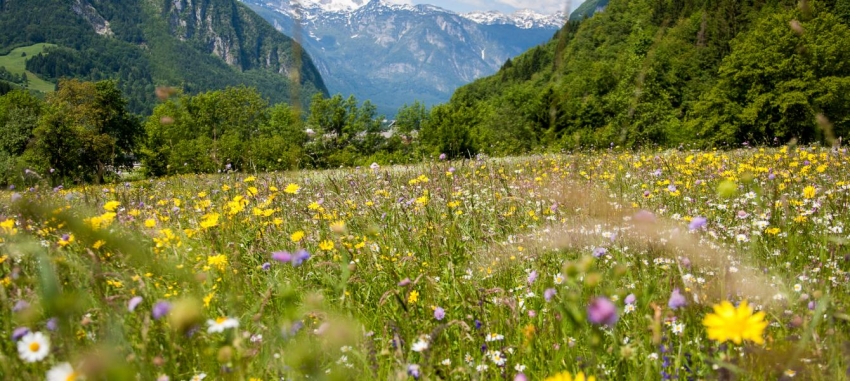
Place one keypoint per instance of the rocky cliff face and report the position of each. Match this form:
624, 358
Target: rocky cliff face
237, 35
395, 54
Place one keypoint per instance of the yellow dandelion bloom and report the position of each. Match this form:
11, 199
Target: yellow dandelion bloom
111, 206
566, 376
98, 244
249, 179
728, 323
326, 245
413, 297
809, 192
150, 223
210, 220
219, 261
297, 236
8, 227
292, 188
338, 227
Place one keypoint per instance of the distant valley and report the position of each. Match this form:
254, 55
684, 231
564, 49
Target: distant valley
395, 54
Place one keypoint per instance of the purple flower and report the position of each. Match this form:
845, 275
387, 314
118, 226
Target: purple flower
549, 294
645, 216
671, 188
299, 258
52, 324
414, 371
443, 156
478, 324
677, 300
602, 311
771, 176
134, 302
631, 299
520, 377
160, 309
439, 313
812, 305
532, 276
697, 223
20, 305
404, 282
282, 256
599, 251
19, 332
267, 266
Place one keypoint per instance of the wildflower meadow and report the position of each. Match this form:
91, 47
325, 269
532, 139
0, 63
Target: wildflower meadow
609, 265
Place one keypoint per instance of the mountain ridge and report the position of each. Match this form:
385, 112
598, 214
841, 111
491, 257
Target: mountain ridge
195, 45
394, 54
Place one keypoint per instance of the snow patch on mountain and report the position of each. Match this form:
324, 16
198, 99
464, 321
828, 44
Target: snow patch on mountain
523, 18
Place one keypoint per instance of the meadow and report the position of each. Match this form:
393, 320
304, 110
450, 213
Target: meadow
609, 265
15, 62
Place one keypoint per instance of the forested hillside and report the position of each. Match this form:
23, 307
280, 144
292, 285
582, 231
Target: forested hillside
196, 45
663, 72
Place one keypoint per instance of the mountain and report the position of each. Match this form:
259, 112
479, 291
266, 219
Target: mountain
196, 45
650, 73
395, 54
588, 8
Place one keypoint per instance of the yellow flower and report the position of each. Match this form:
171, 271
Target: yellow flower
8, 227
210, 220
297, 236
326, 245
150, 223
566, 376
809, 192
208, 299
413, 297
66, 240
291, 188
735, 324
111, 206
249, 179
98, 244
219, 261
338, 227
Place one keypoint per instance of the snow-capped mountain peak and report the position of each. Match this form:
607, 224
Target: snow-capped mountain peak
330, 5
523, 18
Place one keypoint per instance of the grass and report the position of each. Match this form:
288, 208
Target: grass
472, 270
15, 63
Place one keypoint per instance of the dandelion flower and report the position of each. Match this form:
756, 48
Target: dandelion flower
111, 206
297, 236
222, 323
809, 192
62, 372
33, 347
566, 376
729, 323
292, 189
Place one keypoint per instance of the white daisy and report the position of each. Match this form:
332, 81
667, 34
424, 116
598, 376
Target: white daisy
559, 278
222, 323
34, 346
420, 345
62, 372
494, 337
198, 377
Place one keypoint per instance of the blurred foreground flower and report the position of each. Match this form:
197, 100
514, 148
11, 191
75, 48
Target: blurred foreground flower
735, 324
62, 372
222, 323
566, 376
602, 311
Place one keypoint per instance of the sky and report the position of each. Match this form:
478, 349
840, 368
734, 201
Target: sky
507, 6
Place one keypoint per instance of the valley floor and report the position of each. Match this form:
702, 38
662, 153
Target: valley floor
610, 264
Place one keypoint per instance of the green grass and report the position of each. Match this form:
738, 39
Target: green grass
512, 250
15, 63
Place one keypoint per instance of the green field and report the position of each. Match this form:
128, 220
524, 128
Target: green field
16, 64
616, 264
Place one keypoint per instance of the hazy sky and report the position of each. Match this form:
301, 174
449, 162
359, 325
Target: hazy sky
543, 6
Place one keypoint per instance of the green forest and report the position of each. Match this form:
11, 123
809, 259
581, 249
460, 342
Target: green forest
150, 43
638, 74
668, 73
